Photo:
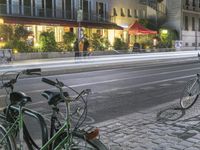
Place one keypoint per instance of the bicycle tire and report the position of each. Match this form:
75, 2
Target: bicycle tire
190, 94
94, 144
10, 142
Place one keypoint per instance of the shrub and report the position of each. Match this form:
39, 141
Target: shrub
48, 42
69, 39
98, 42
20, 46
120, 45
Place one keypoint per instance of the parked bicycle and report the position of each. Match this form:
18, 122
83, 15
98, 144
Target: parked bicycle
13, 125
67, 136
62, 136
190, 93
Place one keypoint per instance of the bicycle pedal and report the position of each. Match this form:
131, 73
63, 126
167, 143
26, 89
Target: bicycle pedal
92, 133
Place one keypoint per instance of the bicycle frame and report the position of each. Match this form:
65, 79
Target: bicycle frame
19, 123
66, 126
197, 80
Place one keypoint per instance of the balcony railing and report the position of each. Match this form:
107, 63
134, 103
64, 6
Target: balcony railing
161, 8
18, 10
3, 9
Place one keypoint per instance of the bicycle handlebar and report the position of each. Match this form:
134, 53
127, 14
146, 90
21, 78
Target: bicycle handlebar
35, 71
32, 71
48, 81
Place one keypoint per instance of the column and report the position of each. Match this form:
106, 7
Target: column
22, 7
64, 8
45, 8
8, 7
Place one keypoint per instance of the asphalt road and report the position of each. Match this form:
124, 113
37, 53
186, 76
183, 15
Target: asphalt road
117, 92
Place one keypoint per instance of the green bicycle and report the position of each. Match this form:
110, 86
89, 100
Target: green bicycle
67, 137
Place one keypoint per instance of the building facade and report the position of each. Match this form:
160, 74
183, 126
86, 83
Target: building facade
184, 17
126, 13
58, 15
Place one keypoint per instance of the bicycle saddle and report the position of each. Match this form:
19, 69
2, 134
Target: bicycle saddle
19, 98
54, 98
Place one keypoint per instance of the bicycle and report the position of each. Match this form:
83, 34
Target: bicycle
64, 136
13, 123
190, 93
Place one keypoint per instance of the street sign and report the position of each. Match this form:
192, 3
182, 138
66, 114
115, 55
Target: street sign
79, 15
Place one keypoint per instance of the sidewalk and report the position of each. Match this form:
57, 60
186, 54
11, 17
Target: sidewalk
166, 127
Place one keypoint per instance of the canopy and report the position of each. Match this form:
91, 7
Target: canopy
138, 29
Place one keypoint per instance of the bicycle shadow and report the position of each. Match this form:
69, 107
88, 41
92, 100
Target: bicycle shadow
170, 114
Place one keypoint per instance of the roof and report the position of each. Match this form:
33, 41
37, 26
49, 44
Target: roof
59, 22
138, 29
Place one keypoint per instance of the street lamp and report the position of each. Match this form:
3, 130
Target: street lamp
79, 17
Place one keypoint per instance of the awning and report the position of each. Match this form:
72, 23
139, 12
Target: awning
101, 25
138, 29
59, 22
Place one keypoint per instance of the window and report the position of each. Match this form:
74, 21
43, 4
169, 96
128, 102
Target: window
85, 10
122, 12
114, 12
129, 13
68, 5
199, 24
193, 3
187, 2
2, 1
136, 13
186, 44
193, 24
186, 22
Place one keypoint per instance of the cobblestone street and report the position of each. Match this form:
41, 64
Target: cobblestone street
164, 128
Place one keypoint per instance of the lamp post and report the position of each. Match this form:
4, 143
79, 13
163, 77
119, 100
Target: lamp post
79, 17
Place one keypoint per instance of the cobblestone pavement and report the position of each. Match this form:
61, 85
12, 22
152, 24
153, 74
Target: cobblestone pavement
166, 127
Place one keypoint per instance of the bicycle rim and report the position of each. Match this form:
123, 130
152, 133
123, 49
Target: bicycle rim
8, 142
190, 94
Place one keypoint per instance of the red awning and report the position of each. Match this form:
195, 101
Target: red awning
138, 29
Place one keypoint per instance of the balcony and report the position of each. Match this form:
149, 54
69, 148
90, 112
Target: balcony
3, 9
27, 11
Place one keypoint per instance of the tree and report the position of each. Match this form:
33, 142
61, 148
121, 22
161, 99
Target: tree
47, 41
6, 32
120, 45
21, 33
99, 42
69, 39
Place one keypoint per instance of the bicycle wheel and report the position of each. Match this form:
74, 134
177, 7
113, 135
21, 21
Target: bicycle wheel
8, 142
190, 94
